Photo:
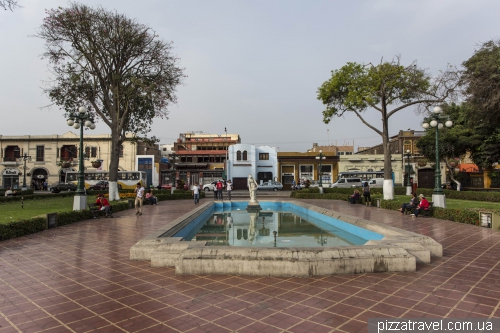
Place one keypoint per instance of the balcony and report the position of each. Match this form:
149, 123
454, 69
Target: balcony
10, 161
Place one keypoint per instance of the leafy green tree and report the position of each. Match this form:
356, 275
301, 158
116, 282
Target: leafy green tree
386, 88
481, 79
454, 142
118, 68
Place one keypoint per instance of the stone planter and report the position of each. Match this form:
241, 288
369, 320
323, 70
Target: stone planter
96, 164
65, 165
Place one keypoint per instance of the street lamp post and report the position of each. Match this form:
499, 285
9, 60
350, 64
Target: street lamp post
437, 195
408, 183
320, 157
24, 158
77, 120
227, 151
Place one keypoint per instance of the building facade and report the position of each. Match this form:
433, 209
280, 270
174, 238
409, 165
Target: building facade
305, 166
200, 157
246, 159
48, 152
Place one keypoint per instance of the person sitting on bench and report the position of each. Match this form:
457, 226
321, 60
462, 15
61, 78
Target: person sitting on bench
151, 198
354, 197
104, 205
412, 204
423, 205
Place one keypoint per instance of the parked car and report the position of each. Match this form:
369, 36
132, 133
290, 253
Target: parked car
102, 185
63, 187
211, 186
270, 186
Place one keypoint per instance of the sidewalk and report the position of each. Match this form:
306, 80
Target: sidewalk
78, 278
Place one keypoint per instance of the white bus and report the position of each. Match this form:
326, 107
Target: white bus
364, 175
126, 179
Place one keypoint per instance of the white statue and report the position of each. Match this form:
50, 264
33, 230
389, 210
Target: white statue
252, 187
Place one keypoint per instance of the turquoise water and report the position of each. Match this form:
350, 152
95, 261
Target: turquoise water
230, 224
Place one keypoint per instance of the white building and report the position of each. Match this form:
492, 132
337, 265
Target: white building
246, 159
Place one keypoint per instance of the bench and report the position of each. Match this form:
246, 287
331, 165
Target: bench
94, 210
359, 200
423, 213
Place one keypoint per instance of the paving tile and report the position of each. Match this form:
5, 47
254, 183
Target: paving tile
94, 287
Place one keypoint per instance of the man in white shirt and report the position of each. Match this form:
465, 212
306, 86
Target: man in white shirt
229, 188
139, 190
196, 193
9, 192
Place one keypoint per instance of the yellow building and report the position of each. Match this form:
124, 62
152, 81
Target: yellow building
46, 153
305, 166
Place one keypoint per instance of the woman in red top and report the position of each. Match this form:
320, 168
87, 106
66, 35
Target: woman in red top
424, 205
104, 205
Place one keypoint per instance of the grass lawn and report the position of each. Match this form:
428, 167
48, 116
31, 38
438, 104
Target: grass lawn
12, 211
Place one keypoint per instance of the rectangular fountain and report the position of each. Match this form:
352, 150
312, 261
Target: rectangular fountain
257, 243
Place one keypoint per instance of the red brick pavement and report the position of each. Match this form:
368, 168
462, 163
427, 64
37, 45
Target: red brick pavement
79, 278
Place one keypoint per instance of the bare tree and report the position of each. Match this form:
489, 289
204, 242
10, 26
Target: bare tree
8, 4
118, 68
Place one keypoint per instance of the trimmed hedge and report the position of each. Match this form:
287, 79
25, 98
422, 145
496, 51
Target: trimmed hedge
468, 216
37, 224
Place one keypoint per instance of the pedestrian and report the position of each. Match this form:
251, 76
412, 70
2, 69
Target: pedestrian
229, 188
196, 193
215, 192
220, 187
366, 194
293, 184
45, 184
139, 190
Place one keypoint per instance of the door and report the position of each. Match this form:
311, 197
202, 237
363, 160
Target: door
240, 183
426, 178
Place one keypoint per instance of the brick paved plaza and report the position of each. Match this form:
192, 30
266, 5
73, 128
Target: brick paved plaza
78, 278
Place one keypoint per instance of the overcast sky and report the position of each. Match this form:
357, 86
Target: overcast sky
254, 66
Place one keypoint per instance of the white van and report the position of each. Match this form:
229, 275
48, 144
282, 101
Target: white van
376, 182
348, 182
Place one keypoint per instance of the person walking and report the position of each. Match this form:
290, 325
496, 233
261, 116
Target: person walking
220, 187
229, 188
139, 190
196, 193
293, 184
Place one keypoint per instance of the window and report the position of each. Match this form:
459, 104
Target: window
238, 155
90, 151
40, 153
68, 152
264, 156
121, 151
245, 156
406, 146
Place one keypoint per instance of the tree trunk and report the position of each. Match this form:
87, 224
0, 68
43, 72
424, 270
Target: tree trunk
388, 182
113, 165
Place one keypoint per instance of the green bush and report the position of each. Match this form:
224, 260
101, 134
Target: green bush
468, 216
36, 224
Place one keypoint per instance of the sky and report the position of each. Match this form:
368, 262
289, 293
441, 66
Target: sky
254, 66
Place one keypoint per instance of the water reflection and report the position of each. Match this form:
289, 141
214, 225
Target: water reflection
266, 229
